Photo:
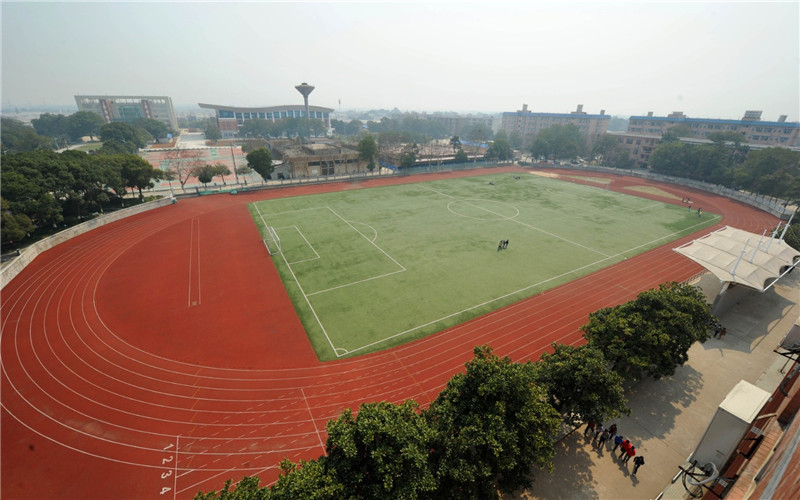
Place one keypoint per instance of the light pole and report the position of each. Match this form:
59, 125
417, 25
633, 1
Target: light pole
236, 175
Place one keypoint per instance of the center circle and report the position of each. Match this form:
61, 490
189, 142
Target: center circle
480, 209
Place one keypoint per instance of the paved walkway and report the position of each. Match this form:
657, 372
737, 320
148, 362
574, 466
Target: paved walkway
669, 416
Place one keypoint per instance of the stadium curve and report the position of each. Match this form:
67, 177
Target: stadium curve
159, 356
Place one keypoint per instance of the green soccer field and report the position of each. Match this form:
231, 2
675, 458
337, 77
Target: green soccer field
373, 268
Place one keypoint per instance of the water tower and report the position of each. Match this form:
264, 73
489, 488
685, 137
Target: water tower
305, 89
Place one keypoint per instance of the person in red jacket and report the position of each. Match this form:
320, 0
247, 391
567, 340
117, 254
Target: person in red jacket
625, 446
629, 454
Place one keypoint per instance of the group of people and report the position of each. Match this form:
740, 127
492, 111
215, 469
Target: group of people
502, 245
603, 436
689, 202
719, 330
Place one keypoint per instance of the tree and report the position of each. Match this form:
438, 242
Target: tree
113, 147
137, 173
17, 137
771, 171
183, 163
461, 156
558, 141
651, 335
408, 159
624, 160
455, 142
500, 150
127, 134
155, 128
605, 150
367, 149
381, 453
204, 174
579, 384
260, 160
492, 425
51, 125
13, 227
220, 170
212, 132
84, 123
675, 132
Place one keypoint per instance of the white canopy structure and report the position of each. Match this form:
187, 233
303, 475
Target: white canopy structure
741, 257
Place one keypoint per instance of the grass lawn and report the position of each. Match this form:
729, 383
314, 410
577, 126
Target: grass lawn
373, 268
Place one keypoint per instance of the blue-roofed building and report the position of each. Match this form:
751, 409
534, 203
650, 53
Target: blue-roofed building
778, 133
230, 118
527, 123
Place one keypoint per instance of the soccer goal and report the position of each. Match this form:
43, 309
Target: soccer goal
271, 241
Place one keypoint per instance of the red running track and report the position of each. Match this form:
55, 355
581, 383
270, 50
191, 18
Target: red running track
160, 355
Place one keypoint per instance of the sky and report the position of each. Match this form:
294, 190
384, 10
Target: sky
707, 59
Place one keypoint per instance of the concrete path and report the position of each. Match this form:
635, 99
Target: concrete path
669, 416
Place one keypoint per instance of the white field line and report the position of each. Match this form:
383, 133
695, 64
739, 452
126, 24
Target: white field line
362, 235
521, 223
300, 287
356, 282
307, 243
521, 290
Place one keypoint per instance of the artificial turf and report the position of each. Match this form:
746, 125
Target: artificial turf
373, 268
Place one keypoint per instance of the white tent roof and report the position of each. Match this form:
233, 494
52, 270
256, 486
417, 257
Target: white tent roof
741, 257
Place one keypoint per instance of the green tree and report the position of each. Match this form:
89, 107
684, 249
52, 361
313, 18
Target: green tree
455, 142
16, 137
367, 150
461, 156
113, 147
792, 236
558, 141
137, 173
381, 453
500, 150
51, 125
204, 174
220, 170
579, 384
260, 160
772, 172
408, 159
13, 227
651, 335
247, 489
126, 134
624, 160
155, 128
84, 123
212, 132
308, 479
605, 150
675, 132
493, 425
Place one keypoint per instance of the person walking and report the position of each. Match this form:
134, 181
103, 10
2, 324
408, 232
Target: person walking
629, 454
612, 430
589, 428
625, 446
637, 462
618, 439
723, 332
603, 438
597, 431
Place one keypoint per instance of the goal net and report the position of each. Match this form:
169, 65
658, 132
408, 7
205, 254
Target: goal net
271, 241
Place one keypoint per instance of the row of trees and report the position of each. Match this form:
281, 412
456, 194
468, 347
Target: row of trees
494, 422
43, 188
772, 171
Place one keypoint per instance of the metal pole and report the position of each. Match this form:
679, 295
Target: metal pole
234, 166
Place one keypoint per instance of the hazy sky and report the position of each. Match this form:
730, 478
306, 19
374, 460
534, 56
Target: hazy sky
708, 59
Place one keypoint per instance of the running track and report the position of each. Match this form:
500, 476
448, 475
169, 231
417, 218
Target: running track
160, 355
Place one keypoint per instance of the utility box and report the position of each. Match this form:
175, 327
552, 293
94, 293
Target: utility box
730, 424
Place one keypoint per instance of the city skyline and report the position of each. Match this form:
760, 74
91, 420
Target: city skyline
707, 59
